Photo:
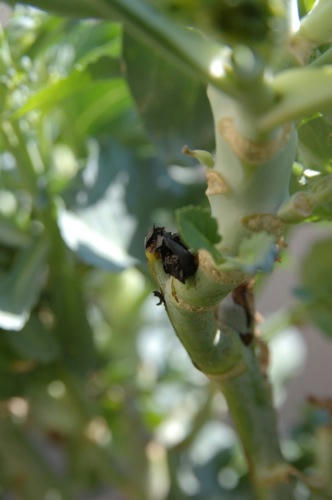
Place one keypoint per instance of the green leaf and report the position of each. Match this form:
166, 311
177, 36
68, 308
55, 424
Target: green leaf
316, 280
35, 342
91, 41
173, 105
199, 230
256, 253
114, 201
99, 248
190, 50
19, 288
11, 235
315, 144
52, 95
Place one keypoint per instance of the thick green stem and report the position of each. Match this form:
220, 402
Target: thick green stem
249, 179
249, 401
208, 333
251, 174
187, 48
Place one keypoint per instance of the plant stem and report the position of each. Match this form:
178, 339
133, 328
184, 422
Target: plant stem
188, 49
216, 349
251, 173
250, 177
249, 401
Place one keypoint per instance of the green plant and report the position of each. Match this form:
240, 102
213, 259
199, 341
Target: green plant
272, 133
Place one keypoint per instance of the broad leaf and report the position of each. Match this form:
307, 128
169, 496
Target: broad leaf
11, 235
190, 50
199, 230
94, 245
172, 104
113, 203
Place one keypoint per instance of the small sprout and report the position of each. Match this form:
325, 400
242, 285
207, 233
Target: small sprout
204, 157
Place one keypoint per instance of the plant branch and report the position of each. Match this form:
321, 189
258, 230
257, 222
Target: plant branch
294, 99
190, 50
215, 347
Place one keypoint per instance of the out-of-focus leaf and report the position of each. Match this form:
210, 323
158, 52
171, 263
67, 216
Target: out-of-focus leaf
87, 105
320, 189
188, 48
113, 205
20, 287
315, 144
316, 280
11, 235
199, 229
248, 22
257, 253
52, 95
35, 342
94, 246
173, 105
92, 40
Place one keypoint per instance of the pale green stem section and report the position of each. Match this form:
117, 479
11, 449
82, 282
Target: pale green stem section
216, 349
250, 404
251, 174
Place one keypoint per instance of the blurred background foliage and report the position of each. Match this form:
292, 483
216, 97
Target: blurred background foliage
97, 398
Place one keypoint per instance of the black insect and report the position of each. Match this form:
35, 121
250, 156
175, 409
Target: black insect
160, 296
176, 258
